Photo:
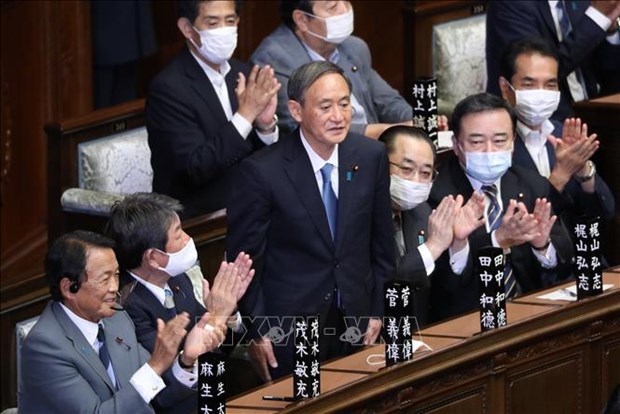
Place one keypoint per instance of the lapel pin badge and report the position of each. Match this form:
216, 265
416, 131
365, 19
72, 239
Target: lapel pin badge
355, 168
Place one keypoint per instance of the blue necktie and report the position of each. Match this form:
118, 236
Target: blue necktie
494, 216
329, 198
169, 303
104, 356
563, 20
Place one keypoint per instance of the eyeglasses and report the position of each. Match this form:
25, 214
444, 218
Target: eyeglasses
424, 175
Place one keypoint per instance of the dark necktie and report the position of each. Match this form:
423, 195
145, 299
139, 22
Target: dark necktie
565, 29
494, 217
104, 356
329, 198
169, 303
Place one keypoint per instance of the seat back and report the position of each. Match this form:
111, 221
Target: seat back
21, 331
459, 60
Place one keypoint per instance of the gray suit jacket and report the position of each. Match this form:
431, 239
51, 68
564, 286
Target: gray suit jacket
62, 373
285, 53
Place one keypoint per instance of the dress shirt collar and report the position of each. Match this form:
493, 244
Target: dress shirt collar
535, 139
216, 77
316, 161
89, 329
334, 57
158, 292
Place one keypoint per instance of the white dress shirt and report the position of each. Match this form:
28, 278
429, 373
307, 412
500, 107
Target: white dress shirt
318, 163
535, 144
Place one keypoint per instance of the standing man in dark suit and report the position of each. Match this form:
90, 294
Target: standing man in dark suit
422, 235
314, 213
83, 356
585, 34
517, 214
321, 30
529, 83
205, 112
154, 254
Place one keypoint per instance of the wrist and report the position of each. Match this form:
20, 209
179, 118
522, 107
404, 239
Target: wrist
183, 362
269, 128
591, 170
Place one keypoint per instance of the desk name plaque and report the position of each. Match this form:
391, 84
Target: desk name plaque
397, 322
307, 370
211, 391
587, 265
424, 92
489, 269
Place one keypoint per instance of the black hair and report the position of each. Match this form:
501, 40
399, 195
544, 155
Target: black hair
191, 8
529, 46
388, 137
140, 222
67, 258
482, 102
287, 7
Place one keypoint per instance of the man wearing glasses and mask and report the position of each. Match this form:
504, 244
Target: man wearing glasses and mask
422, 235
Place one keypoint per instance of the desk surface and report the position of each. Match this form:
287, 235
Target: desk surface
451, 334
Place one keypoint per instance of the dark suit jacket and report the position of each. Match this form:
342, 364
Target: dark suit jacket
585, 47
578, 202
410, 266
62, 373
455, 294
278, 217
195, 150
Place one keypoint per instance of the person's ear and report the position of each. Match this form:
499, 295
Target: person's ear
301, 20
150, 258
186, 28
504, 87
294, 108
65, 286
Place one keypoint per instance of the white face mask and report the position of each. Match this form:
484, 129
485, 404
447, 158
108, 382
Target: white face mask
487, 167
533, 107
218, 44
338, 28
407, 194
181, 261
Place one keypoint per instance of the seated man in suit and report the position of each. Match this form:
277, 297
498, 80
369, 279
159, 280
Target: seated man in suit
154, 254
518, 216
423, 235
83, 356
205, 111
584, 33
321, 30
529, 83
314, 213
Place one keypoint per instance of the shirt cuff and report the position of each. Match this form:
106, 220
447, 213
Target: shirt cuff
427, 258
147, 383
547, 260
236, 325
599, 18
458, 260
241, 124
268, 139
187, 378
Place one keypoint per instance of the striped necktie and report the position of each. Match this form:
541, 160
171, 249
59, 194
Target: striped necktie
329, 198
494, 217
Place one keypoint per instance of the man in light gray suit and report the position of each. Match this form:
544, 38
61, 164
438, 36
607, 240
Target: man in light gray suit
320, 30
83, 356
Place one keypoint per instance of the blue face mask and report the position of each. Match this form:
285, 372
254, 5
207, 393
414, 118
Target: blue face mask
487, 167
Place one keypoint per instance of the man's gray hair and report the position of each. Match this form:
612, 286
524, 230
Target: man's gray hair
305, 76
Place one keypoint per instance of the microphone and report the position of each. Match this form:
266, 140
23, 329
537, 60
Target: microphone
119, 340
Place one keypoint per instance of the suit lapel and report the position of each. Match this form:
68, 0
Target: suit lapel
182, 302
151, 301
522, 156
347, 159
81, 346
551, 155
299, 170
118, 349
231, 85
511, 189
203, 87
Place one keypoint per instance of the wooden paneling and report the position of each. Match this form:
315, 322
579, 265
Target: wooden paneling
601, 115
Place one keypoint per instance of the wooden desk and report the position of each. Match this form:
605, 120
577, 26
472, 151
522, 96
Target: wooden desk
552, 357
